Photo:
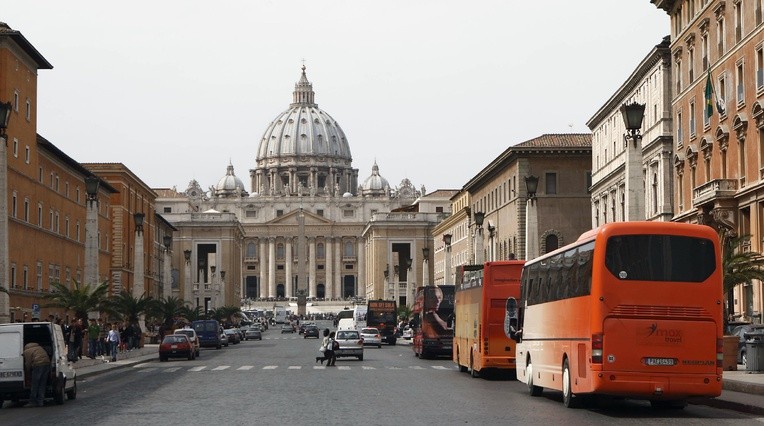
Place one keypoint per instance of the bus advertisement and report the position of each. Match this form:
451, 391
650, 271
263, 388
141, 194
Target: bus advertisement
482, 339
433, 321
631, 309
382, 315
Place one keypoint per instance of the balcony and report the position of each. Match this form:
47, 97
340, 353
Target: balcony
717, 189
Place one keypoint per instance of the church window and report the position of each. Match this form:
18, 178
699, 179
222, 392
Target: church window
320, 254
348, 213
279, 213
251, 213
251, 250
280, 251
320, 212
348, 249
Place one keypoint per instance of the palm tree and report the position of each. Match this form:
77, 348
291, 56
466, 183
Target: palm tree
81, 298
224, 314
404, 313
191, 314
739, 265
167, 309
127, 307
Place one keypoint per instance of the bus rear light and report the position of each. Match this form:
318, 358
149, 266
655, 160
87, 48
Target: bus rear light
485, 346
719, 353
597, 348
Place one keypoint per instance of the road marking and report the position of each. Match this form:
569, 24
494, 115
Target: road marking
416, 367
199, 368
441, 367
172, 369
319, 367
246, 367
394, 368
270, 367
222, 367
141, 365
294, 367
147, 370
366, 367
343, 367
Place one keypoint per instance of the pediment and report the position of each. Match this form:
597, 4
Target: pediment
292, 218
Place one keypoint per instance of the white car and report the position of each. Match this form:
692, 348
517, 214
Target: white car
407, 333
192, 336
371, 337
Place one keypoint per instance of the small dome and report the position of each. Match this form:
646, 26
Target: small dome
230, 185
374, 185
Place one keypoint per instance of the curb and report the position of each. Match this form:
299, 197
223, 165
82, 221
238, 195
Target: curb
97, 369
728, 405
743, 387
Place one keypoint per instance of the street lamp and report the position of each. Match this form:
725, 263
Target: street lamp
426, 253
91, 187
139, 221
425, 266
479, 217
447, 262
187, 285
5, 116
633, 114
166, 282
531, 185
167, 240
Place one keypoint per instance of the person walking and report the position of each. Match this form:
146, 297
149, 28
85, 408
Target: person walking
331, 357
114, 340
93, 331
325, 346
37, 365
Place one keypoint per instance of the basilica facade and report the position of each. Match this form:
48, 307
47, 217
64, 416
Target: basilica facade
296, 228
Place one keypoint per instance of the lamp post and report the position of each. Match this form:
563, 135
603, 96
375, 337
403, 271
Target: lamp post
409, 262
138, 274
220, 290
479, 252
531, 218
447, 260
187, 286
397, 283
212, 287
5, 311
167, 284
91, 230
388, 289
425, 266
633, 114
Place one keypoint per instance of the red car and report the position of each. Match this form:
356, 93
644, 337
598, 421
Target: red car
176, 346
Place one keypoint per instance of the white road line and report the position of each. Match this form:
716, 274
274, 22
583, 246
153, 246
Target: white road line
270, 367
416, 367
222, 367
141, 365
394, 368
366, 367
440, 367
146, 370
343, 367
199, 368
172, 369
319, 367
294, 367
246, 367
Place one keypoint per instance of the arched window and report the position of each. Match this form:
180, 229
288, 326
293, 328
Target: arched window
280, 251
552, 243
252, 250
319, 251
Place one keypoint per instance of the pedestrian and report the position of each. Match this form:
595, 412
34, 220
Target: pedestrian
124, 334
102, 332
114, 341
75, 339
324, 346
93, 331
330, 347
37, 365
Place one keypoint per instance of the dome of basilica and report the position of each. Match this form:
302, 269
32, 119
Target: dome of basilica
229, 185
375, 185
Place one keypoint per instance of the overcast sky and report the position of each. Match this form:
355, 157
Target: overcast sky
432, 89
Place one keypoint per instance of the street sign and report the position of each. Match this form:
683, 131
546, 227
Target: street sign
35, 310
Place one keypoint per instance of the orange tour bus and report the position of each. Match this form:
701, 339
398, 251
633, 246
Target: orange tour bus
631, 309
482, 340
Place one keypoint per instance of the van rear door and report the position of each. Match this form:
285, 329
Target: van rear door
11, 358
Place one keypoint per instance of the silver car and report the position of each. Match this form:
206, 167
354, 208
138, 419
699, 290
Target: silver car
371, 337
253, 333
351, 344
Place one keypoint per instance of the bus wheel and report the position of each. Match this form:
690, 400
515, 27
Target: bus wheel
462, 368
473, 373
533, 390
568, 399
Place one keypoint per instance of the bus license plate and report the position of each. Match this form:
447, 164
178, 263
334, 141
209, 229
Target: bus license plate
660, 361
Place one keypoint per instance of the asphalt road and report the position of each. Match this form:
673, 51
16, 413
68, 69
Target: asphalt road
276, 381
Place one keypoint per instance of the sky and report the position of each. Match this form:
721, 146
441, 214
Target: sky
432, 90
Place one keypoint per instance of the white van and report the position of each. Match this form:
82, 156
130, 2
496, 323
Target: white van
346, 324
14, 385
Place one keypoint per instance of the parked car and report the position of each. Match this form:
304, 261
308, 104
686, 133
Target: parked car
371, 337
741, 331
303, 325
176, 345
191, 333
310, 331
351, 344
207, 331
253, 333
287, 328
233, 336
408, 333
223, 338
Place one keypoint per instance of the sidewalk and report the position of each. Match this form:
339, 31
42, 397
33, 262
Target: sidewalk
87, 367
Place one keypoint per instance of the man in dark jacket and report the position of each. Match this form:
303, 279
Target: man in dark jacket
37, 363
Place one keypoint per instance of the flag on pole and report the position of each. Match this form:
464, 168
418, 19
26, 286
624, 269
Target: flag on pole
708, 94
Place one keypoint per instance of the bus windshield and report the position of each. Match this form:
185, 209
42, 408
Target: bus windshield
660, 258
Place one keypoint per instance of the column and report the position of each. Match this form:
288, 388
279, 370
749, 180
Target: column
312, 267
447, 267
262, 290
531, 229
138, 268
635, 188
91, 241
167, 288
271, 267
425, 272
361, 281
328, 281
288, 261
188, 288
337, 267
5, 309
479, 249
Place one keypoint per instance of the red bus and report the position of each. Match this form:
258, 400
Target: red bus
433, 318
631, 309
481, 333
